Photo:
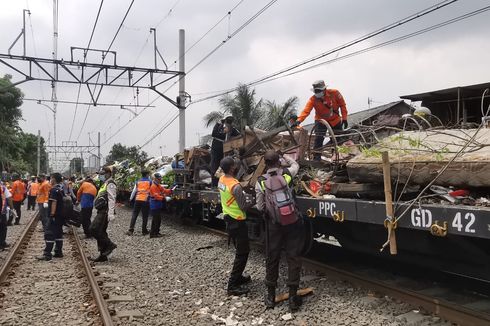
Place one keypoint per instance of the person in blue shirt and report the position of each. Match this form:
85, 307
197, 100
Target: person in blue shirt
85, 196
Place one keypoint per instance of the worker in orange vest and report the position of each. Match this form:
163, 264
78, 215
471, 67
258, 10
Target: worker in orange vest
158, 195
141, 196
43, 198
327, 103
85, 196
18, 196
32, 189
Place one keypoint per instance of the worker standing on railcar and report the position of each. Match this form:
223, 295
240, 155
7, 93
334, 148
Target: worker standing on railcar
234, 204
141, 195
53, 234
284, 226
222, 131
105, 204
157, 198
18, 196
327, 103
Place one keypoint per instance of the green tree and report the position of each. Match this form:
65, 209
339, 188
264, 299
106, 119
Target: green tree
277, 113
120, 152
243, 106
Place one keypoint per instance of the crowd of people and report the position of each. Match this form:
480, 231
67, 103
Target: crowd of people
273, 197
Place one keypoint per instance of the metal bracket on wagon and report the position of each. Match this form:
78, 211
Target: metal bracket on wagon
311, 212
438, 230
338, 216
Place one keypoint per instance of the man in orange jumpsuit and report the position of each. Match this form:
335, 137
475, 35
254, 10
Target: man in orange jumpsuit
327, 103
18, 196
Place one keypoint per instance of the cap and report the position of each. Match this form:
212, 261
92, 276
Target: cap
229, 119
318, 86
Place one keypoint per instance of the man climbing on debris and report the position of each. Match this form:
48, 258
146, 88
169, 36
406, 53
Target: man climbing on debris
234, 204
105, 204
158, 196
326, 103
284, 226
141, 196
222, 131
53, 234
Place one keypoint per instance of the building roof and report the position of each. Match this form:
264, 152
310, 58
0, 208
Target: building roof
449, 94
359, 117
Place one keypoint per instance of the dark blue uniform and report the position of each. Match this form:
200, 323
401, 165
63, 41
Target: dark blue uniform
53, 235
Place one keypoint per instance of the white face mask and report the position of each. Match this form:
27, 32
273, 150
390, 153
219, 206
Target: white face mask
319, 95
102, 177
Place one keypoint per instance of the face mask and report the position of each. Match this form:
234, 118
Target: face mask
319, 95
102, 177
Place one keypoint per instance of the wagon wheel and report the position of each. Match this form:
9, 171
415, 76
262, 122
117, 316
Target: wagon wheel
330, 148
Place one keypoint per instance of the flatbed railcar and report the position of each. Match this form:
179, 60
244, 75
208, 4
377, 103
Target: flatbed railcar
447, 238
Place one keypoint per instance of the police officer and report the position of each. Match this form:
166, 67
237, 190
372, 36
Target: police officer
105, 204
290, 237
141, 195
234, 204
53, 235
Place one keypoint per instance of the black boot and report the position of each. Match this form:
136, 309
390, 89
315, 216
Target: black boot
270, 297
237, 290
244, 279
295, 300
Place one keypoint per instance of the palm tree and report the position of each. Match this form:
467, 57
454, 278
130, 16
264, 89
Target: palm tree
276, 114
243, 107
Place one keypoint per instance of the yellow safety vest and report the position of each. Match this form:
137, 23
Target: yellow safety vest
228, 202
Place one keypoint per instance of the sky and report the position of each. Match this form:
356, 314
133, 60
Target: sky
288, 32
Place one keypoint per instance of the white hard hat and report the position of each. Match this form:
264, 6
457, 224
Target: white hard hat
318, 85
421, 111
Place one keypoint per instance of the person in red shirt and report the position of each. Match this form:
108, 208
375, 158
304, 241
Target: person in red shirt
327, 103
157, 199
18, 195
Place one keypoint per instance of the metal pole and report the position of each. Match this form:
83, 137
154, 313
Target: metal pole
98, 150
55, 72
24, 30
38, 152
182, 90
154, 31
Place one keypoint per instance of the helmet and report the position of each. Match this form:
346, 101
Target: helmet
157, 176
318, 86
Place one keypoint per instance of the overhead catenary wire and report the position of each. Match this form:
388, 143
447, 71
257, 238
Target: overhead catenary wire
360, 39
103, 58
250, 20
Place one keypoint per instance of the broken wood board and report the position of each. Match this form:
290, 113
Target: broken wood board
301, 292
418, 156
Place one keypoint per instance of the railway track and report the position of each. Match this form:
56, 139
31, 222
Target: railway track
440, 300
61, 291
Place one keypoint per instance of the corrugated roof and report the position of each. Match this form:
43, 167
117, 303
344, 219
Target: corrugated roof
449, 94
358, 117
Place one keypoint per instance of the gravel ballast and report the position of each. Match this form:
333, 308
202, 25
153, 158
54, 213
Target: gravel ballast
180, 279
52, 292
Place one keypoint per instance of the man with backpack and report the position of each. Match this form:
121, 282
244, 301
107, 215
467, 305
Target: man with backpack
234, 204
53, 235
105, 204
284, 226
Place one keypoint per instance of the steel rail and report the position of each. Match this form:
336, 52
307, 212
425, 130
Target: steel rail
94, 287
452, 312
27, 232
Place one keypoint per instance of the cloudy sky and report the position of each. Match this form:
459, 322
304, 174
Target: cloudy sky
288, 32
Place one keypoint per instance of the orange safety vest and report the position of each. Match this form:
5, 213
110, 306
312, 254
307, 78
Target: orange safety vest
142, 190
34, 188
43, 192
326, 108
18, 190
